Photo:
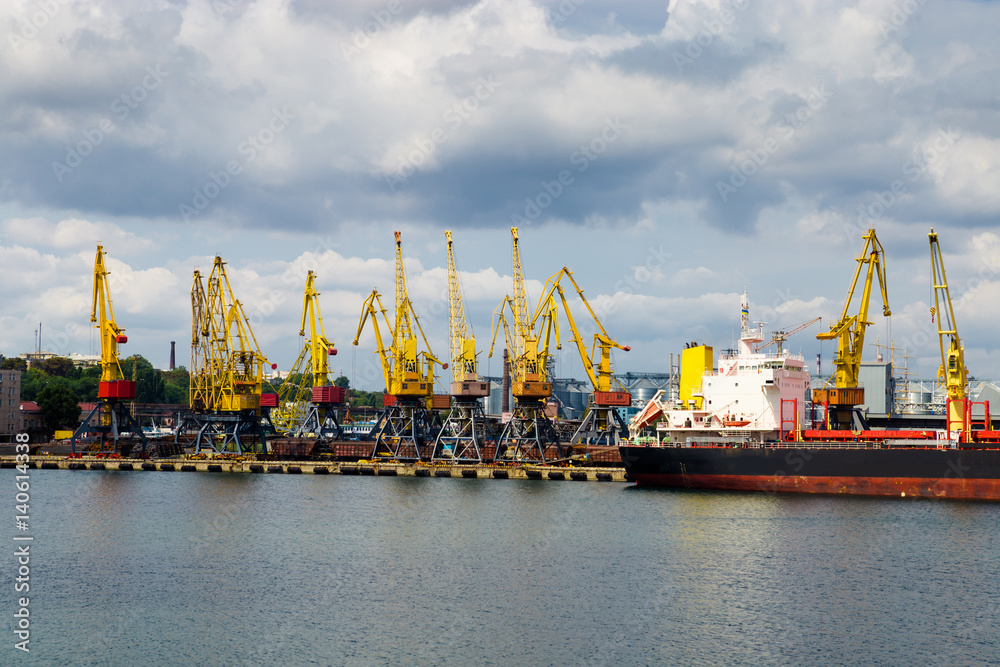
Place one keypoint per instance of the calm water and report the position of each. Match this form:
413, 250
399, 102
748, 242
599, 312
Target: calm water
201, 569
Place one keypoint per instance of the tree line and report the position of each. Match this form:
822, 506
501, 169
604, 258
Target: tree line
58, 386
151, 385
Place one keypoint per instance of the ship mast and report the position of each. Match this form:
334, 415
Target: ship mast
748, 337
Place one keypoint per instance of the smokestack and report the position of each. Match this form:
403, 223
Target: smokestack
505, 405
172, 344
819, 371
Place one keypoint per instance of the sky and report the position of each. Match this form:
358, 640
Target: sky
672, 155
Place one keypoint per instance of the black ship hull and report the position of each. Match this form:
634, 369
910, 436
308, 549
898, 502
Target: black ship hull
869, 471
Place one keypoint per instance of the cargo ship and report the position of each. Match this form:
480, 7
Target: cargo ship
740, 427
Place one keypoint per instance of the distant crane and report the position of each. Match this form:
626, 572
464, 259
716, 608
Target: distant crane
779, 337
953, 369
307, 402
529, 432
227, 370
842, 400
465, 429
111, 416
602, 424
407, 424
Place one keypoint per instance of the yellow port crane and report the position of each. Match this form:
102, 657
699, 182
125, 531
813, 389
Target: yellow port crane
227, 369
952, 370
842, 400
407, 424
529, 432
465, 429
111, 417
602, 423
307, 403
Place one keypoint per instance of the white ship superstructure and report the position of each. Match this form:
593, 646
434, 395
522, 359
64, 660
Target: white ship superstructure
752, 396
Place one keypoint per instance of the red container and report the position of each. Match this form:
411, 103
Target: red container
388, 400
618, 398
268, 400
328, 394
118, 389
441, 401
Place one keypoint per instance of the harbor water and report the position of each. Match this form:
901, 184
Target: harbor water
216, 569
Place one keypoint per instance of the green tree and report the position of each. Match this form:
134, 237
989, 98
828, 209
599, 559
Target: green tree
15, 364
177, 383
32, 383
342, 381
59, 407
56, 366
149, 384
371, 399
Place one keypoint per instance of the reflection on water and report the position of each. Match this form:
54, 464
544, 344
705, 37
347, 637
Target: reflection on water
183, 568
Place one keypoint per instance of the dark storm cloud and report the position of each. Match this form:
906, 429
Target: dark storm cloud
723, 110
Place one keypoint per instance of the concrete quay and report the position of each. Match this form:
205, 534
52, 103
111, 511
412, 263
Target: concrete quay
372, 468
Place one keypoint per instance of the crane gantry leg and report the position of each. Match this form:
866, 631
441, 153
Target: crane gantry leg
464, 434
119, 432
405, 431
225, 433
529, 434
323, 421
601, 426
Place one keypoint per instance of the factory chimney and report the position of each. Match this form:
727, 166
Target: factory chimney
819, 370
172, 344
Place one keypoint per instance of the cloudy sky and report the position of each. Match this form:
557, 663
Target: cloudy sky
671, 154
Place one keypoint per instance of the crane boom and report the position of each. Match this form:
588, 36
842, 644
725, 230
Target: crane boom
779, 337
227, 371
600, 377
368, 309
953, 368
527, 338
463, 343
102, 315
601, 424
464, 367
849, 330
319, 345
401, 364
306, 389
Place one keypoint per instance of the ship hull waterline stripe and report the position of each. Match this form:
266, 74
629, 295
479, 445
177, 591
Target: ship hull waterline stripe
971, 489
